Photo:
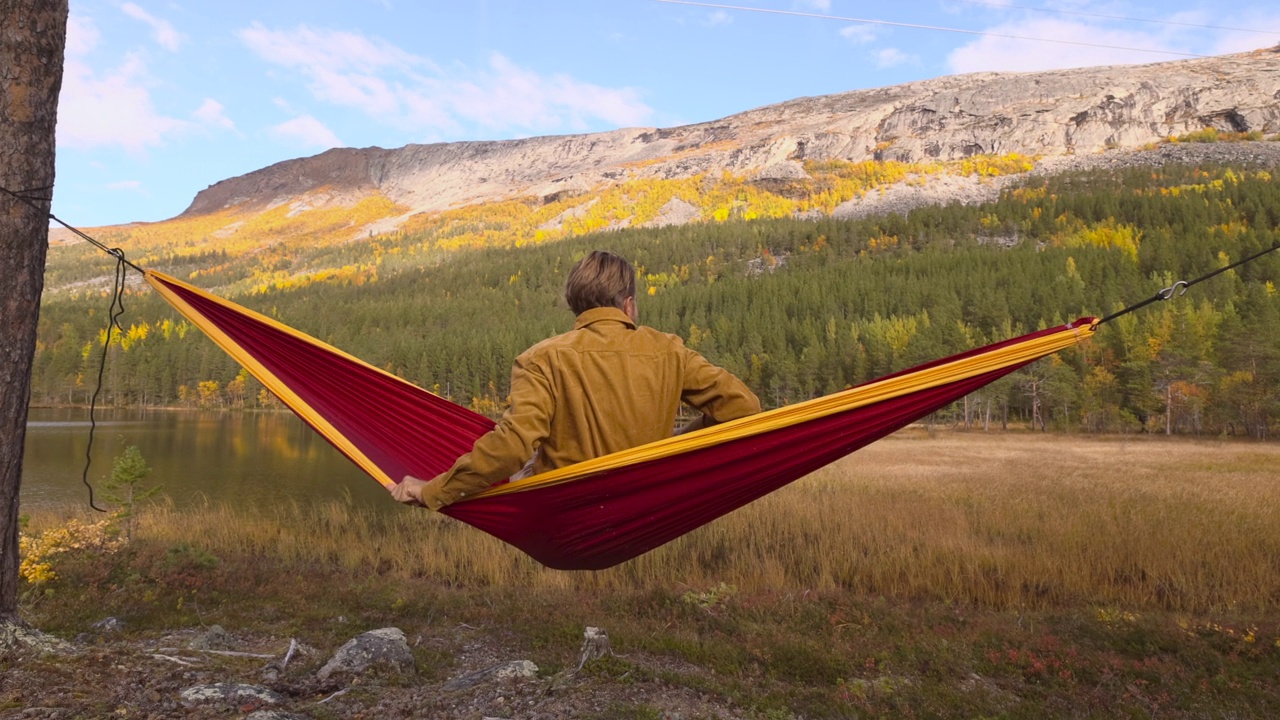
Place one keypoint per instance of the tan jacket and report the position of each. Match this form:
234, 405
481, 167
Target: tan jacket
605, 386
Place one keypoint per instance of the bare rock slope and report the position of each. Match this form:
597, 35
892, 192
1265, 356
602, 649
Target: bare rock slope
1045, 113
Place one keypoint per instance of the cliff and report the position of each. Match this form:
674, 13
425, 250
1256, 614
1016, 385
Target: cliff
1044, 113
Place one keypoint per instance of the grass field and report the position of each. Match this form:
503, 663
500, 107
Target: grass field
929, 575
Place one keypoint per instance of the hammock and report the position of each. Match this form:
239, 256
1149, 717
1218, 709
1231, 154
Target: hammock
608, 510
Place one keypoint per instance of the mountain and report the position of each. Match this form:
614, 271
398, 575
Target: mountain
1039, 114
777, 241
362, 214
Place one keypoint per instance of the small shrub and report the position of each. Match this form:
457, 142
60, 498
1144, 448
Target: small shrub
712, 598
185, 556
126, 490
186, 567
39, 552
1207, 135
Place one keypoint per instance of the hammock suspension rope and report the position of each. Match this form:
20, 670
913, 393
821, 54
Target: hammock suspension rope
1180, 288
634, 500
36, 198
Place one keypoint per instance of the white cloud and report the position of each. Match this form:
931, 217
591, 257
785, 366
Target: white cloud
1234, 41
211, 113
892, 57
369, 92
400, 88
539, 102
860, 34
82, 36
957, 7
821, 6
1103, 47
306, 131
125, 185
332, 50
717, 18
161, 30
111, 109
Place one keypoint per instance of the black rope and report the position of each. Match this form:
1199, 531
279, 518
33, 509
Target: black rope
1180, 288
37, 198
113, 323
30, 197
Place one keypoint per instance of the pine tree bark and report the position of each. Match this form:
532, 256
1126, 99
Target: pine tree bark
32, 41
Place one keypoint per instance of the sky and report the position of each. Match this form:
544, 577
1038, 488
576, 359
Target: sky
162, 98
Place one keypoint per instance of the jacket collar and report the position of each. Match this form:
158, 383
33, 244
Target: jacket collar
602, 314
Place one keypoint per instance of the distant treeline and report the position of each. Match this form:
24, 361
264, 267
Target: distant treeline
801, 308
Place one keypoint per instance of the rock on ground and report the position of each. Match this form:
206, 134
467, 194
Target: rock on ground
385, 646
215, 638
18, 636
231, 692
275, 715
514, 670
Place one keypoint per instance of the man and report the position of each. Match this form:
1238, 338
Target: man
607, 385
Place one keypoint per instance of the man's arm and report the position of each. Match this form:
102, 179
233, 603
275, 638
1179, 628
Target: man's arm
715, 391
497, 454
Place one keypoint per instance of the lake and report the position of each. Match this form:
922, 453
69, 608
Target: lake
239, 458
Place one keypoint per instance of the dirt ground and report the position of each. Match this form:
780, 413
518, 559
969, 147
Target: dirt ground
115, 675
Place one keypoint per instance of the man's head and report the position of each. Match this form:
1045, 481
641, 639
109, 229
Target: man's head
601, 279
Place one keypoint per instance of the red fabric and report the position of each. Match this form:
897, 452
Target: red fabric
587, 524
606, 519
402, 428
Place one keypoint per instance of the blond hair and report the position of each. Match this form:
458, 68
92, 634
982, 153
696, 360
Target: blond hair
601, 279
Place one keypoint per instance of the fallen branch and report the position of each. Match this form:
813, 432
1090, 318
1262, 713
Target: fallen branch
343, 691
293, 647
235, 653
170, 658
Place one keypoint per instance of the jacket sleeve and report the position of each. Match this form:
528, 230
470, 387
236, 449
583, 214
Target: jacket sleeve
716, 392
498, 454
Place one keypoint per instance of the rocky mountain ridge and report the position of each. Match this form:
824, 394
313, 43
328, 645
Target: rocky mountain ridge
1053, 113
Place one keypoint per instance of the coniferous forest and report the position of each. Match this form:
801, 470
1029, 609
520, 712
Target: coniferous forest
798, 308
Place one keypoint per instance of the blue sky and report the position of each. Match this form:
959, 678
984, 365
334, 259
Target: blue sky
161, 99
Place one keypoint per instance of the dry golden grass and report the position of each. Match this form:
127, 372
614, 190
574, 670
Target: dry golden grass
997, 521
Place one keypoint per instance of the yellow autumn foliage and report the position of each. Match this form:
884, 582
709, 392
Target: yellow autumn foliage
1109, 235
320, 237
39, 552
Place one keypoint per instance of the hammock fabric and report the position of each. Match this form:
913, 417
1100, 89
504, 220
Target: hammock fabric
605, 511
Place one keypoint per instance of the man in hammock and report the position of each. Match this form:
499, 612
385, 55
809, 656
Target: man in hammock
607, 385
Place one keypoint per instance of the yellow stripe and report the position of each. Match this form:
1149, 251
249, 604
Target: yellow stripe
265, 376
851, 399
802, 412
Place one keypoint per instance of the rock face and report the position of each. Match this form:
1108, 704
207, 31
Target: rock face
1047, 113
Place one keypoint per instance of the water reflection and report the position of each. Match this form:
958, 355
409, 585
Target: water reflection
250, 458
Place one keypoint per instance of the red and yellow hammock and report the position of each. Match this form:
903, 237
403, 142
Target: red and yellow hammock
605, 511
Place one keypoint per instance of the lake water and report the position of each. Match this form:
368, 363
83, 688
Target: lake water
241, 458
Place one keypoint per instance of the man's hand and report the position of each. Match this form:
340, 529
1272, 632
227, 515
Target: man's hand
409, 491
699, 423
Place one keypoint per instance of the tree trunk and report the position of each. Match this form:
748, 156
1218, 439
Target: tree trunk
32, 38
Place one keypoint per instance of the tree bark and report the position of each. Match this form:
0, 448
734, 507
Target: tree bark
32, 39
